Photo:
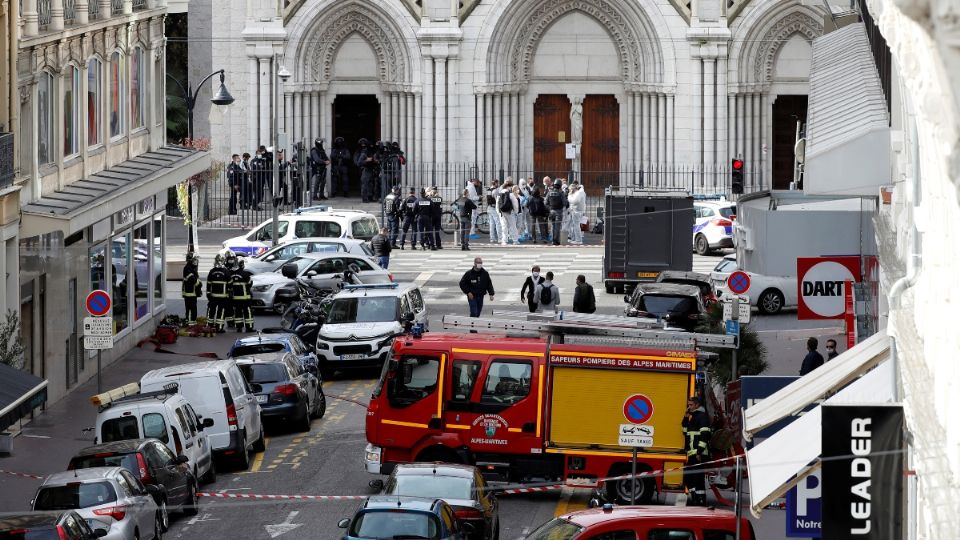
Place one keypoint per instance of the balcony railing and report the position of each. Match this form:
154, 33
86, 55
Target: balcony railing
116, 7
6, 160
139, 5
69, 11
43, 11
93, 9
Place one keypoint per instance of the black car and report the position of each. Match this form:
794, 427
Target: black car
284, 388
152, 463
680, 306
61, 525
701, 281
460, 486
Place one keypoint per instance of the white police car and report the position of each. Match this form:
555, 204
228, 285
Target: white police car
309, 222
713, 225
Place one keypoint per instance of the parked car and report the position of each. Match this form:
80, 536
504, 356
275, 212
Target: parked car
701, 281
272, 259
645, 523
713, 225
322, 270
162, 414
58, 525
272, 343
284, 389
769, 294
722, 271
679, 305
151, 462
109, 498
319, 222
404, 517
218, 391
460, 486
362, 320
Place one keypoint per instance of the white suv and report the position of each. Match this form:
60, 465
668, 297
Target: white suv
362, 320
319, 222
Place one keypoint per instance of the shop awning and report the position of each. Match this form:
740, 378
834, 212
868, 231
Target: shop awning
777, 463
20, 393
817, 384
85, 202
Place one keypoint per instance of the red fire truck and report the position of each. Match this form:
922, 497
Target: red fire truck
540, 400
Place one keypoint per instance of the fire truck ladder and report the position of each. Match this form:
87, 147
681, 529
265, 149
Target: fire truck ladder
563, 326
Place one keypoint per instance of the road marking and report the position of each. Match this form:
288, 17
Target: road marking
423, 278
564, 503
278, 529
258, 457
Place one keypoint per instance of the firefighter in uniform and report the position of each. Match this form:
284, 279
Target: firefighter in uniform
436, 216
425, 221
409, 214
192, 288
391, 210
696, 437
241, 284
219, 295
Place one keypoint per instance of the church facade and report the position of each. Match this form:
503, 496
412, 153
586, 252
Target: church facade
635, 86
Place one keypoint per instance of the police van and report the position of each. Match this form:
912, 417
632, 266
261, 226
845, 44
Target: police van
310, 222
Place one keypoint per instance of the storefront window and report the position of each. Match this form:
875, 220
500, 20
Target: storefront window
157, 271
120, 249
142, 262
98, 273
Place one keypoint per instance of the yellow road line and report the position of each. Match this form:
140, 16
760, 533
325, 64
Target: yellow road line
571, 500
258, 458
564, 503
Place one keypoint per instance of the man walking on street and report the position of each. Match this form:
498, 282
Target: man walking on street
831, 349
476, 283
813, 359
465, 207
474, 190
392, 205
381, 246
696, 441
529, 289
548, 295
584, 300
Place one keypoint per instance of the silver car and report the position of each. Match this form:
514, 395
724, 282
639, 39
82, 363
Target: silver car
108, 498
272, 290
274, 258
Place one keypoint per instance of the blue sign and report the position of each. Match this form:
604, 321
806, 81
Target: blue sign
733, 328
803, 508
756, 388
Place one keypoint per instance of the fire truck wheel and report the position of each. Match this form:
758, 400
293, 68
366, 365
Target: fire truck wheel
438, 453
620, 490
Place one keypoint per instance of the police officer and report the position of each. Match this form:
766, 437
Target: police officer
369, 169
556, 203
219, 295
318, 169
192, 288
392, 205
409, 211
340, 159
241, 284
425, 221
436, 216
696, 442
465, 207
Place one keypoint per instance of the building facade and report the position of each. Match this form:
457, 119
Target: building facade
508, 84
9, 158
94, 170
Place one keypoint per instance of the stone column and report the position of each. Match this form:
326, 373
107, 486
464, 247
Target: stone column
637, 134
766, 129
723, 152
253, 104
265, 74
316, 119
127, 7
297, 134
418, 129
31, 19
82, 11
709, 124
429, 126
576, 129
409, 143
670, 158
478, 134
662, 129
404, 122
288, 120
56, 15
441, 109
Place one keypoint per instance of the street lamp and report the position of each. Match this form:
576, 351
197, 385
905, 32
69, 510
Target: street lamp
222, 98
283, 75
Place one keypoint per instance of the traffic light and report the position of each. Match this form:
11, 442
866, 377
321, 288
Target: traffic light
736, 176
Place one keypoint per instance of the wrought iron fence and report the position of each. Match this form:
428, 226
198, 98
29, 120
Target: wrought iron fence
139, 5
93, 9
116, 7
69, 11
7, 173
43, 13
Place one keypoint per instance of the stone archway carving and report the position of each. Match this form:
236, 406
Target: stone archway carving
777, 35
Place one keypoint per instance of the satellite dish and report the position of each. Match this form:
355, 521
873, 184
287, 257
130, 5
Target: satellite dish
800, 149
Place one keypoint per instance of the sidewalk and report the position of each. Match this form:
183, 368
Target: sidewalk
48, 442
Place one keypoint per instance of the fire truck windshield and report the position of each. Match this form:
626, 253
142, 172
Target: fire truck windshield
414, 378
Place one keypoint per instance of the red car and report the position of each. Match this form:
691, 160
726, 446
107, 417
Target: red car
645, 523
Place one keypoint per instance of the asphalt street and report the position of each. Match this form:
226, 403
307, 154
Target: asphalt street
327, 460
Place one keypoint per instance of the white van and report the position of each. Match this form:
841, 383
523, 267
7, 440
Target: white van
306, 223
164, 415
217, 391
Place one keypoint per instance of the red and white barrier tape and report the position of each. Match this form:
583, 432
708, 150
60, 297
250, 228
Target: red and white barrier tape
538, 489
22, 475
280, 497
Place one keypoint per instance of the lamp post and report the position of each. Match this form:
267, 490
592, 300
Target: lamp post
222, 97
282, 74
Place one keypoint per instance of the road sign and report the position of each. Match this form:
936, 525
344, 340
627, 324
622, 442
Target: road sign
743, 308
733, 328
820, 285
738, 282
803, 508
98, 326
94, 343
99, 303
638, 408
636, 436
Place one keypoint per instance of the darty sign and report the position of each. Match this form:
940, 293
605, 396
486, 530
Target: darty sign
820, 285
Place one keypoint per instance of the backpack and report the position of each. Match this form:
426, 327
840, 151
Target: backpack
505, 204
555, 199
546, 294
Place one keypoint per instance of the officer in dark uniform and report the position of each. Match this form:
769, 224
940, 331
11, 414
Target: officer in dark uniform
369, 170
556, 202
192, 288
425, 221
241, 285
696, 441
219, 295
409, 211
392, 205
436, 215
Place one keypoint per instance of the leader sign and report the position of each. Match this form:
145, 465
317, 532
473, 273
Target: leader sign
820, 285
